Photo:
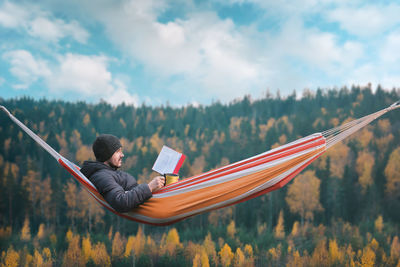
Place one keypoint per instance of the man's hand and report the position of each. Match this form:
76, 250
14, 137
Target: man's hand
156, 183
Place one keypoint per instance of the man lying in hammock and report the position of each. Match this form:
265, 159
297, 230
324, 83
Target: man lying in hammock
118, 188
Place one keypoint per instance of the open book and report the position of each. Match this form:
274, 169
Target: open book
168, 161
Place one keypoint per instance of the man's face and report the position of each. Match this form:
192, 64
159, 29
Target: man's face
116, 159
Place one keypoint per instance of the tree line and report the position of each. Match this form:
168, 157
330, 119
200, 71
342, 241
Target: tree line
348, 214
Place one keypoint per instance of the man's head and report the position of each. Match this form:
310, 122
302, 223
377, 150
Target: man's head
107, 148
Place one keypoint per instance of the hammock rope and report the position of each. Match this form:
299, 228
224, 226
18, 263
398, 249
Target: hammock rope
225, 186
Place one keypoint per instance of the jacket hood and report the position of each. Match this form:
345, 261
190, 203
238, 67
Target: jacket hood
90, 167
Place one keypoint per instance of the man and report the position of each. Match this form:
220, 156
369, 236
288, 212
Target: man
118, 188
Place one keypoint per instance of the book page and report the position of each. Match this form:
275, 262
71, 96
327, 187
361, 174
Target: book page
167, 161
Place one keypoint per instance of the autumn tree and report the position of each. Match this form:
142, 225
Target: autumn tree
226, 255
11, 258
279, 231
26, 230
71, 197
117, 246
303, 196
392, 173
364, 166
231, 229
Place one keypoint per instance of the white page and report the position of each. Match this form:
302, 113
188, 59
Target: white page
166, 161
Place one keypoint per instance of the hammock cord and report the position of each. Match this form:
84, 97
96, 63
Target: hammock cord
32, 134
337, 134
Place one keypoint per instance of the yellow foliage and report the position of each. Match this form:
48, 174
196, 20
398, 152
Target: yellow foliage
156, 142
248, 251
196, 261
201, 260
368, 257
140, 241
129, 246
198, 165
279, 231
384, 126
40, 233
261, 228
295, 260
48, 260
374, 244
86, 248
335, 254
379, 224
295, 229
303, 195
364, 165
86, 119
338, 155
117, 246
282, 139
320, 256
383, 144
73, 256
364, 137
392, 173
37, 259
84, 153
100, 256
204, 259
239, 258
226, 255
275, 253
234, 127
127, 146
170, 242
395, 249
26, 230
220, 216
209, 247
71, 197
11, 258
334, 122
231, 229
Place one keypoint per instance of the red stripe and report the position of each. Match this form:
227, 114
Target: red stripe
180, 162
251, 165
208, 174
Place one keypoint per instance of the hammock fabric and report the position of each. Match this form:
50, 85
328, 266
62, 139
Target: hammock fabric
227, 185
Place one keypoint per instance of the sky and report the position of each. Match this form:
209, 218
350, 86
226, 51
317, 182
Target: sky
191, 52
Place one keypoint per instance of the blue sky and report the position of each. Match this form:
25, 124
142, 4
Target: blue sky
194, 51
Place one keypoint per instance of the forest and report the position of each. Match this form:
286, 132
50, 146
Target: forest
348, 216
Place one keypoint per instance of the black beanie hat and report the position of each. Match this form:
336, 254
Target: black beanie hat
104, 146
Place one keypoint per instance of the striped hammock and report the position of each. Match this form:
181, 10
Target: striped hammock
227, 185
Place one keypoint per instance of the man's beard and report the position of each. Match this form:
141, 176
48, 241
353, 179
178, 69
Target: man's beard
112, 165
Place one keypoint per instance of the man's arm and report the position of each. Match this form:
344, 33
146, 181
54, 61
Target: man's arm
116, 196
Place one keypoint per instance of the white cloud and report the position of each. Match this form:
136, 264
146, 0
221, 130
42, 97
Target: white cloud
26, 68
390, 51
12, 16
83, 74
88, 76
2, 81
208, 54
366, 21
56, 29
39, 23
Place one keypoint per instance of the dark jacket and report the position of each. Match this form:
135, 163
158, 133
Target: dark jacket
118, 188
